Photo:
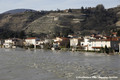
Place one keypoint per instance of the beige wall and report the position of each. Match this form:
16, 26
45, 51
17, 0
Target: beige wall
30, 41
74, 42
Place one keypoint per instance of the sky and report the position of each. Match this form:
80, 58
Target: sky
6, 5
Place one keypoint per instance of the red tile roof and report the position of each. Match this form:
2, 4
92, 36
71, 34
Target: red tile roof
64, 38
32, 38
110, 39
115, 33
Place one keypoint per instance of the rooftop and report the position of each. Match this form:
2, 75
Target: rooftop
32, 38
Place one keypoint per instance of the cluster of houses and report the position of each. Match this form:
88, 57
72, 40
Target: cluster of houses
91, 43
17, 42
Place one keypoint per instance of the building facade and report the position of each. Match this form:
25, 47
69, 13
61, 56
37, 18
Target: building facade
97, 44
31, 41
74, 42
61, 41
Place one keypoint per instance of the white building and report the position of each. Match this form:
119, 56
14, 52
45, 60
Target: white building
31, 41
74, 42
9, 43
97, 44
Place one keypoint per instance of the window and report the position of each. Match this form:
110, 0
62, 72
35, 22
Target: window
89, 44
94, 44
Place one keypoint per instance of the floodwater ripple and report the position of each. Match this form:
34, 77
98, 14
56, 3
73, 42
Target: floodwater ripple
20, 64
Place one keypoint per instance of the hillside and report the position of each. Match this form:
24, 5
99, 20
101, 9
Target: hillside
16, 23
84, 21
49, 24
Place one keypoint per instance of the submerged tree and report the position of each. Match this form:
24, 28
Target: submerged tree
106, 49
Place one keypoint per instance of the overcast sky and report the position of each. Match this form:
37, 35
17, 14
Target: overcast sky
6, 5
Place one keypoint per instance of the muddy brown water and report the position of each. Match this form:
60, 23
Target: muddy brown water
20, 64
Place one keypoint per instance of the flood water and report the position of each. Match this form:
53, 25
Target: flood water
20, 64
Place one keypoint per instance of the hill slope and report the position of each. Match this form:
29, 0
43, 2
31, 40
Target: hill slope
61, 23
